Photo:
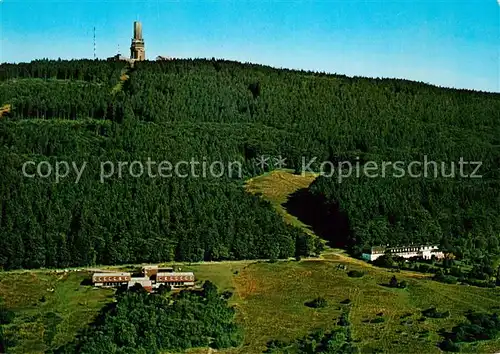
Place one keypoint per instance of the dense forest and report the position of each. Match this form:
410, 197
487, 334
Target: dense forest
213, 110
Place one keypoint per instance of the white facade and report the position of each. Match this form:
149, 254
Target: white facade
371, 256
424, 251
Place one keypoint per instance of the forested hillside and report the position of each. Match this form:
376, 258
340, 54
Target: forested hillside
226, 111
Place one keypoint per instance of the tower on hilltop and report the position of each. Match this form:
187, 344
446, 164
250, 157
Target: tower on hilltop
137, 51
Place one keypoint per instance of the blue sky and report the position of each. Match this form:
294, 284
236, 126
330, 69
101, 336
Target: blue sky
443, 42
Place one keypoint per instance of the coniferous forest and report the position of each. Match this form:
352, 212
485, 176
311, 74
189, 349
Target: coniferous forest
213, 110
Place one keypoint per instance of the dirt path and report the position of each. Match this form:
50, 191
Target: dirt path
123, 77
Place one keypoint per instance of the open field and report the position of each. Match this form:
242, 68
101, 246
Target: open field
270, 300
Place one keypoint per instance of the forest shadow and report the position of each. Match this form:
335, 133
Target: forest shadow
99, 320
326, 220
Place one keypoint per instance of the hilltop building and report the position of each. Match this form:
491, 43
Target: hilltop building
137, 50
422, 251
118, 57
163, 58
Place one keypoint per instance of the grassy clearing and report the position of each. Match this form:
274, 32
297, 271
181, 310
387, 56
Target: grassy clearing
270, 301
123, 77
276, 186
51, 308
5, 109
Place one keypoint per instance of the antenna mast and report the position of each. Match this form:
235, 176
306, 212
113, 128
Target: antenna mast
94, 43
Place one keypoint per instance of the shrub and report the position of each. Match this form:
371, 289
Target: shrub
384, 261
403, 284
424, 268
449, 346
355, 274
343, 320
274, 346
393, 283
433, 313
456, 272
164, 288
319, 302
480, 283
448, 279
6, 316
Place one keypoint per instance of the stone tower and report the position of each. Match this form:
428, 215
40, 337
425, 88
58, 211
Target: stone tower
137, 51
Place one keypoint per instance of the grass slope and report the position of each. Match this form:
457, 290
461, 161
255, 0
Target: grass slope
270, 298
276, 186
50, 308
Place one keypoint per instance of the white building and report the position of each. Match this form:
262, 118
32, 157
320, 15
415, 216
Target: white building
423, 251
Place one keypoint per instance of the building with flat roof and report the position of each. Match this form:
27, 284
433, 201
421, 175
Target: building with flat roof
163, 58
110, 279
152, 270
118, 57
175, 279
145, 282
412, 251
153, 277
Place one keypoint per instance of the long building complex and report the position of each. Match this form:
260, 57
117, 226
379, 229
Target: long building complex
152, 278
422, 251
